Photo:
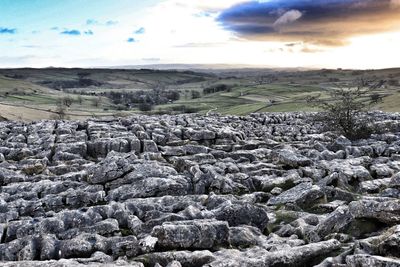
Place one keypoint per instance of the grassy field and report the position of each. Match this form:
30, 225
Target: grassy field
31, 94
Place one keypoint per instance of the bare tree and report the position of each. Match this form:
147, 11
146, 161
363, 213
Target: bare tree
60, 112
96, 101
79, 99
345, 111
67, 101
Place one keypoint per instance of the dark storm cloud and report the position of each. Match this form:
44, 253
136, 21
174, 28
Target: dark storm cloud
327, 22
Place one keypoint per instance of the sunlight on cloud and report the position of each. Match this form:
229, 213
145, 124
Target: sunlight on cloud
395, 3
288, 17
175, 34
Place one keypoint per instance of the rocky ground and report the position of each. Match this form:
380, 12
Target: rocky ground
192, 190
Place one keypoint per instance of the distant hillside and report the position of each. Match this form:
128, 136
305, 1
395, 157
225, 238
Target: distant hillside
31, 94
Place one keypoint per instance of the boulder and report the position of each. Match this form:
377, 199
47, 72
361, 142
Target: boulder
196, 234
186, 258
242, 214
307, 255
114, 166
336, 222
304, 195
381, 209
290, 158
363, 260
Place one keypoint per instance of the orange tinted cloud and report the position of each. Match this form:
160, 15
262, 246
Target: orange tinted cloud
323, 22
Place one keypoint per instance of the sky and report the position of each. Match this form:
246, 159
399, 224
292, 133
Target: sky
362, 34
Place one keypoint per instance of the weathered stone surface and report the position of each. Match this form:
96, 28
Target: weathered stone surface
395, 180
362, 260
303, 195
197, 234
384, 210
290, 158
267, 189
336, 222
114, 166
186, 258
297, 256
242, 214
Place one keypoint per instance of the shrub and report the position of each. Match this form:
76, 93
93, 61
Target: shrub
67, 101
195, 94
61, 111
184, 109
217, 88
79, 99
145, 106
96, 101
346, 111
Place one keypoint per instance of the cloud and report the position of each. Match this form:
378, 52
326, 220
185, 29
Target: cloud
8, 30
71, 32
288, 17
202, 14
209, 6
111, 23
31, 46
131, 40
293, 44
88, 32
324, 22
93, 22
395, 3
141, 30
307, 49
197, 45
151, 59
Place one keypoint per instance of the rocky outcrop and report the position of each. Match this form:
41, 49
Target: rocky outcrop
191, 190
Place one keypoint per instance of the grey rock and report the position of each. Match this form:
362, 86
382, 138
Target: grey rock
197, 234
395, 181
200, 134
290, 158
341, 143
256, 190
374, 186
298, 256
114, 166
149, 146
82, 246
304, 195
242, 214
362, 260
384, 210
336, 222
381, 170
186, 258
174, 264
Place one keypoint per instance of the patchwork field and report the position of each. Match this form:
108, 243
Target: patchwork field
28, 94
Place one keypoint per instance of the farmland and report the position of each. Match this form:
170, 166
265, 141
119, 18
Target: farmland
30, 94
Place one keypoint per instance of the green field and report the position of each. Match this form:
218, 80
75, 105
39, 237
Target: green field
30, 94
